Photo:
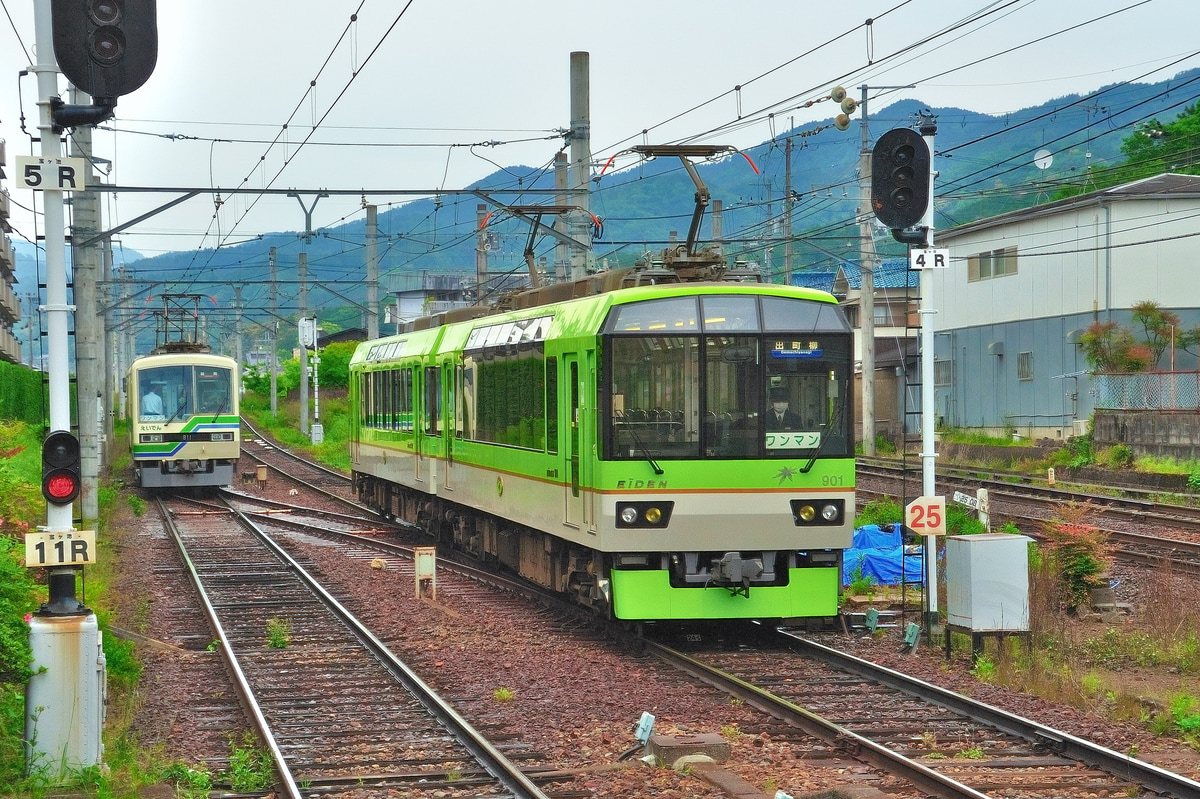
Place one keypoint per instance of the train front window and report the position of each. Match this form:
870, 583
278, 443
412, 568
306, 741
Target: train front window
748, 381
806, 393
173, 393
165, 393
213, 394
655, 399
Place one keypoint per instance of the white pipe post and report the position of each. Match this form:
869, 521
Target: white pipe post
928, 455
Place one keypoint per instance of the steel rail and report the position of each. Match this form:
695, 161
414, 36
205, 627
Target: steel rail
1122, 766
878, 755
241, 684
505, 771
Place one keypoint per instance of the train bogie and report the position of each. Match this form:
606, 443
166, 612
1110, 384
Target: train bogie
666, 452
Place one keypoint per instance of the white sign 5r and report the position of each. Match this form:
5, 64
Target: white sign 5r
63, 174
926, 516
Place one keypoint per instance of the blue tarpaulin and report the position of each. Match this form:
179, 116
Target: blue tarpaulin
877, 554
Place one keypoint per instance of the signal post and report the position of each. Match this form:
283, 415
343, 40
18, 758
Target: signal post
106, 50
902, 176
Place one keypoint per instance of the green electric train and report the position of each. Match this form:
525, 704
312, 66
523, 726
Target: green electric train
659, 452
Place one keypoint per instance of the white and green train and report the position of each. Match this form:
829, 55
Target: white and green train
663, 452
184, 430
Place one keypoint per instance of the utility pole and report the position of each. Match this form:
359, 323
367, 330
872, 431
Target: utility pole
788, 205
868, 260
866, 304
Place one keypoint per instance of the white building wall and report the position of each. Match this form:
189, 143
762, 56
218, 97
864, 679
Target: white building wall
1075, 265
1084, 260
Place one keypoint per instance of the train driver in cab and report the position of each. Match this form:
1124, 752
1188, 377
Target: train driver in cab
152, 404
779, 415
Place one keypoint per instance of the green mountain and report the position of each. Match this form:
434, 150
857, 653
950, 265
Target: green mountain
985, 166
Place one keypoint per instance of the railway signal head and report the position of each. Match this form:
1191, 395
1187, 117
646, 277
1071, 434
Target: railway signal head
900, 166
60, 468
107, 48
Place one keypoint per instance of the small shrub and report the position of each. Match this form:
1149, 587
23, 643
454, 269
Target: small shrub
884, 510
190, 783
279, 633
1118, 456
984, 669
504, 694
860, 584
251, 767
137, 504
1079, 552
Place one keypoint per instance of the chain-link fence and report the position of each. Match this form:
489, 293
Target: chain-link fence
1148, 391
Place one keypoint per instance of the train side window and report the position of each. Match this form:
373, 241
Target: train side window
552, 405
433, 400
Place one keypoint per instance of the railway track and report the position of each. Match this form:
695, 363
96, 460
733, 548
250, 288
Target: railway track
335, 708
946, 744
900, 742
1176, 540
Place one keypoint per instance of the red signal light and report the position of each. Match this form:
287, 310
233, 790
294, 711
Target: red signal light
61, 473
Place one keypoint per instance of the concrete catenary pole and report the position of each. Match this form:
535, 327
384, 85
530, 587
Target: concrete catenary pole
274, 333
562, 254
481, 257
238, 354
372, 272
303, 312
89, 354
579, 222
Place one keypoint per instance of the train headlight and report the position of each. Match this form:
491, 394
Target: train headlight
222, 436
151, 438
819, 512
644, 515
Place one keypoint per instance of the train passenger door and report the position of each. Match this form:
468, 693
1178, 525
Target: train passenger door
452, 380
576, 458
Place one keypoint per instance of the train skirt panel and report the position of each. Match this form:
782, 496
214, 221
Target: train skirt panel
643, 595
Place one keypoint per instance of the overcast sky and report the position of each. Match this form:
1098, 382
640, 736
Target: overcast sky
437, 75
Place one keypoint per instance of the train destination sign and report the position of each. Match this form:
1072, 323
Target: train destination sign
70, 548
521, 331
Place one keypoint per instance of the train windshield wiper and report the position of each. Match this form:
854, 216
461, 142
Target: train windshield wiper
645, 451
833, 423
224, 407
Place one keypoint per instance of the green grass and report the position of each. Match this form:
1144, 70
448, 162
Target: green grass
284, 427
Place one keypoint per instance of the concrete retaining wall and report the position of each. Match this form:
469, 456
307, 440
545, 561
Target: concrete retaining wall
1173, 435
